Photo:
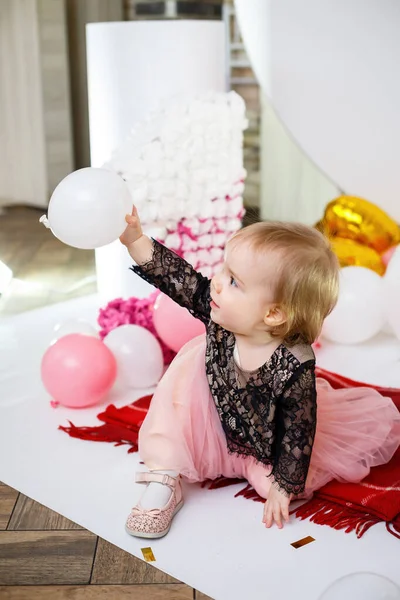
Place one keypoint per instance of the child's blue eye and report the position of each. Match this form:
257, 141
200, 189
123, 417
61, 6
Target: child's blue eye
233, 282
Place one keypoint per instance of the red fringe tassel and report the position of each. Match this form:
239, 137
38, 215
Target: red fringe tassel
394, 527
108, 432
321, 512
220, 482
250, 494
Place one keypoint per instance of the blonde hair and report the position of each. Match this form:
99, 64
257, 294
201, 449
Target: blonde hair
307, 275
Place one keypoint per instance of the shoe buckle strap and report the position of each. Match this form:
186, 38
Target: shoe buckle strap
156, 477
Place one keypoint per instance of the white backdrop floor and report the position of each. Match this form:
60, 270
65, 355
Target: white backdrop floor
217, 544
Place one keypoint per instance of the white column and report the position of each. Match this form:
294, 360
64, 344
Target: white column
132, 68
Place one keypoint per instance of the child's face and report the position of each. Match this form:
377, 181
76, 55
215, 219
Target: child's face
242, 292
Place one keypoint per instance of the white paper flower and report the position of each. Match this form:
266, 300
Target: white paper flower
183, 157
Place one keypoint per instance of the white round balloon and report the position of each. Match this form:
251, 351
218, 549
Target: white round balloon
307, 68
359, 313
73, 326
88, 207
362, 586
139, 356
391, 290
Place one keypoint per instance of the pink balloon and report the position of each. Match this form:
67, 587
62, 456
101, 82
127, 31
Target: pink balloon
386, 256
78, 370
174, 324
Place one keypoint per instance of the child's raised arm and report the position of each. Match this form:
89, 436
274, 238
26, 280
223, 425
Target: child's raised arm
166, 270
139, 246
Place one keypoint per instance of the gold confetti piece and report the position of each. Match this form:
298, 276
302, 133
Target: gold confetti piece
148, 554
303, 542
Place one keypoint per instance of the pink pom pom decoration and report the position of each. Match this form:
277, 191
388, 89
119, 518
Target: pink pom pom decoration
134, 311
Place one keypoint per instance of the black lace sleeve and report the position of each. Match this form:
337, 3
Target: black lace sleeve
177, 278
297, 422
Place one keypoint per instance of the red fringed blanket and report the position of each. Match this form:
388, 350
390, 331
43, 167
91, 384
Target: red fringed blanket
350, 506
358, 506
121, 425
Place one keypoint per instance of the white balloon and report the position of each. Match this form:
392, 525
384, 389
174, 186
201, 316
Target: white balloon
391, 290
281, 37
88, 207
359, 313
73, 326
138, 354
387, 328
362, 586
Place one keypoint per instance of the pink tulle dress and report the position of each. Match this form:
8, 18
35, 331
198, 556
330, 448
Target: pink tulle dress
209, 418
356, 429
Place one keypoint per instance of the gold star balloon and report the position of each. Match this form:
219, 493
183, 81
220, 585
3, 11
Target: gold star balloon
351, 253
356, 219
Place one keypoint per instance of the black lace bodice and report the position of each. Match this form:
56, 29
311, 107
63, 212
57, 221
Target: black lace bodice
273, 416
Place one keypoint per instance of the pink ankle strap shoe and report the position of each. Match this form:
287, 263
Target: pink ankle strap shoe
155, 522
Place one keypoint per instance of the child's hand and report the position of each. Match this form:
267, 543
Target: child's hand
133, 230
276, 508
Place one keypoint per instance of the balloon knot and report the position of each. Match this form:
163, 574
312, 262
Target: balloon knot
45, 221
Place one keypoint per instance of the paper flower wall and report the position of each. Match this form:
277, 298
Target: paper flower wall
184, 168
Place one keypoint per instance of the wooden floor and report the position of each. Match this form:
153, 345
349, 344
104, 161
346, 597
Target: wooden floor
43, 555
45, 270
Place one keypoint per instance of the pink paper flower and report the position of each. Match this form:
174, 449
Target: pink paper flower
134, 311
